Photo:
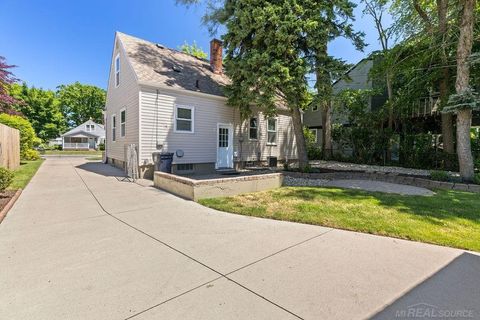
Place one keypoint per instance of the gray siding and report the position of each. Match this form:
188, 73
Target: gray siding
157, 125
124, 96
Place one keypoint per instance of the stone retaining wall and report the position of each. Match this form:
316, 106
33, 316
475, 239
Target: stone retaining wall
210, 188
388, 177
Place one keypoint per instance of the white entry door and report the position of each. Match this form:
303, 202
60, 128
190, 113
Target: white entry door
224, 146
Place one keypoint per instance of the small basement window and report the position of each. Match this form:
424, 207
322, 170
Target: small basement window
184, 117
253, 130
185, 167
117, 70
272, 131
123, 118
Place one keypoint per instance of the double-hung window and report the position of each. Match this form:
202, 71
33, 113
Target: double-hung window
90, 127
117, 70
253, 129
315, 134
123, 120
272, 131
114, 127
184, 118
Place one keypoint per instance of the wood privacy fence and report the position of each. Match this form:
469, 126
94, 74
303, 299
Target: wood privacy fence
9, 147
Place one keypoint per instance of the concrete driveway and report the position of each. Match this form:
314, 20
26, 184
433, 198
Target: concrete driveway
82, 244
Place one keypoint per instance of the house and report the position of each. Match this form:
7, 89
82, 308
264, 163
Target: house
356, 78
160, 99
87, 136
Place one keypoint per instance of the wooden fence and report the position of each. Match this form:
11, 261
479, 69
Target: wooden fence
9, 147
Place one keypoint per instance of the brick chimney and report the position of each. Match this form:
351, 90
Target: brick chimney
216, 58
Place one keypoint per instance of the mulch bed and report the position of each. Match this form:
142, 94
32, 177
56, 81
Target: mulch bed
7, 199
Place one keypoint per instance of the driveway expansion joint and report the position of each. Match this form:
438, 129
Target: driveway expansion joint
192, 258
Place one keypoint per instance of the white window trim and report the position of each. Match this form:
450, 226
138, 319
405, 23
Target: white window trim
114, 125
276, 132
176, 118
125, 123
315, 132
315, 108
115, 71
249, 128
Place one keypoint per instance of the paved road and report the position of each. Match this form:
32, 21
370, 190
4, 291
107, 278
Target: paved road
81, 244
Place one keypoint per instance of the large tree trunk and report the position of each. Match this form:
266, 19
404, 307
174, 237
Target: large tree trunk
447, 118
464, 117
328, 132
299, 138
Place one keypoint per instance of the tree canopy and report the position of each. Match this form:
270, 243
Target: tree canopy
41, 108
80, 102
194, 50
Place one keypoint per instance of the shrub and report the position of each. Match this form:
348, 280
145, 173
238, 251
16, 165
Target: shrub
28, 139
6, 178
31, 155
439, 175
101, 147
476, 178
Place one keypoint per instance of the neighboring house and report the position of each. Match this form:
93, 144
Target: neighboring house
87, 136
160, 99
357, 78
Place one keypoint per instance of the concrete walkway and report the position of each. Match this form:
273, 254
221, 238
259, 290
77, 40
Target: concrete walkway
82, 244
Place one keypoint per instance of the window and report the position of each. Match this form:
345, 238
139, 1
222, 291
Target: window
184, 117
272, 131
185, 167
114, 127
123, 117
223, 137
117, 70
90, 127
253, 130
315, 107
314, 132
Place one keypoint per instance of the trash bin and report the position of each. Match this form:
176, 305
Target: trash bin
163, 161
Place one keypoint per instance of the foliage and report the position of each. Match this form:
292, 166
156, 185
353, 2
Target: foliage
80, 102
41, 108
28, 139
439, 175
101, 147
31, 155
476, 178
6, 178
313, 151
6, 79
193, 50
447, 218
468, 99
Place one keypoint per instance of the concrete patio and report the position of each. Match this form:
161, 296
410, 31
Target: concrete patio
82, 244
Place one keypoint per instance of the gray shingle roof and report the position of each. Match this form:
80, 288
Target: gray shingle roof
154, 63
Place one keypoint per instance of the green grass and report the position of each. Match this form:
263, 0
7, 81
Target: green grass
448, 218
73, 152
24, 174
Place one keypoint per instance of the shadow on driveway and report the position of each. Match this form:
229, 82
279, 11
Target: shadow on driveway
451, 293
102, 169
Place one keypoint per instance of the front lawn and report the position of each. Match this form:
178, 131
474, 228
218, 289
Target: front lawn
24, 174
73, 152
448, 218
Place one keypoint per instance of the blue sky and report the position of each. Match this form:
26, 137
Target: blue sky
57, 42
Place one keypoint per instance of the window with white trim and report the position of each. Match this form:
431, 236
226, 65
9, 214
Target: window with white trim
117, 70
253, 129
123, 120
90, 127
315, 107
271, 131
184, 118
114, 127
